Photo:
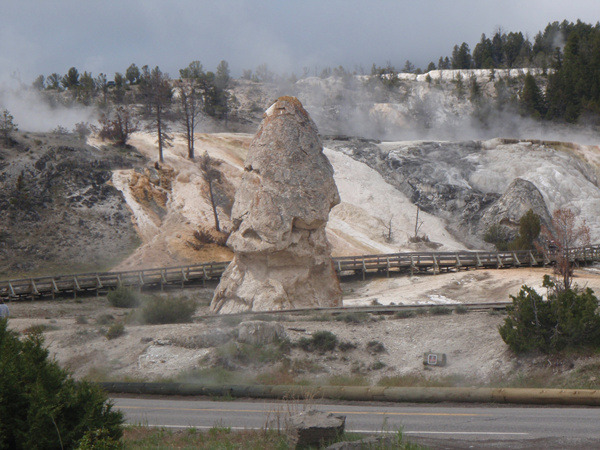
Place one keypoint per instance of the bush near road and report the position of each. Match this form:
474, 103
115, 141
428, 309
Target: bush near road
41, 406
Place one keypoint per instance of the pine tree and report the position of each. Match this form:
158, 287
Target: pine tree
157, 93
7, 127
532, 102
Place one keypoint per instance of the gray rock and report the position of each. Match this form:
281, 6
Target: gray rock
206, 339
520, 197
314, 427
258, 332
282, 257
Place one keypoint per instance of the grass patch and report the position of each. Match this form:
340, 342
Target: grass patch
221, 437
39, 328
139, 437
348, 380
321, 317
212, 376
418, 380
277, 377
305, 365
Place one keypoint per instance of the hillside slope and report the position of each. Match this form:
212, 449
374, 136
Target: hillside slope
59, 212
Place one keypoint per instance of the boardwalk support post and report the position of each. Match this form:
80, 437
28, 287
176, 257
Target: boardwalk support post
532, 260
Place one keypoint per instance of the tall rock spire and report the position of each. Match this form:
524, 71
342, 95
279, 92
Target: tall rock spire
282, 257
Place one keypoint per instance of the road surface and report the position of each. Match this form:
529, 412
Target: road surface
440, 426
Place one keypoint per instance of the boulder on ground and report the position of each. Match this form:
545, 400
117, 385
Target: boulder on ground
258, 332
520, 197
282, 256
314, 428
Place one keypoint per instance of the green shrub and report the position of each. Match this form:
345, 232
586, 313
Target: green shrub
115, 330
41, 406
105, 319
158, 310
123, 297
320, 341
375, 347
378, 365
440, 310
568, 318
499, 236
352, 317
461, 309
346, 345
405, 313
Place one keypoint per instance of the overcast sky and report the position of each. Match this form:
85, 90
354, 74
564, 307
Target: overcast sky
45, 36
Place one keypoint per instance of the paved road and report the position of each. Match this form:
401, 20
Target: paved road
435, 425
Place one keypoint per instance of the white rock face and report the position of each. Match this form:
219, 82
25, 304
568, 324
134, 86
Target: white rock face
282, 256
520, 197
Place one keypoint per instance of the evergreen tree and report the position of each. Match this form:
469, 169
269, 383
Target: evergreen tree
532, 102
71, 79
474, 89
190, 101
87, 88
53, 81
408, 67
498, 49
461, 56
157, 94
132, 74
574, 87
119, 91
102, 85
7, 127
483, 54
38, 83
222, 77
42, 407
513, 42
459, 85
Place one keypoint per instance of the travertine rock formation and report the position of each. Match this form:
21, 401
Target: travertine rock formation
282, 257
520, 197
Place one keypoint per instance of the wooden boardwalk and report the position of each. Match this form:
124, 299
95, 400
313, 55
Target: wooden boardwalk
382, 265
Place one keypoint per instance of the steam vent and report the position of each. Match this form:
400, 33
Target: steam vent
282, 257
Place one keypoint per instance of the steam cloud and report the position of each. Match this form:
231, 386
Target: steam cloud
417, 110
33, 111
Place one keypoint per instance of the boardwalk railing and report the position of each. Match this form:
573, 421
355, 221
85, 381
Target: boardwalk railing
417, 262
